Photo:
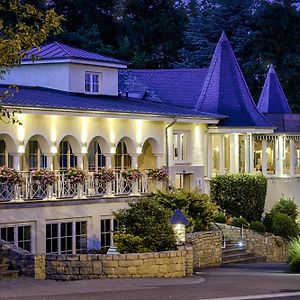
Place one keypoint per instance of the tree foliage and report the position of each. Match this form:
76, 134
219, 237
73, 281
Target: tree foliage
240, 194
149, 221
22, 26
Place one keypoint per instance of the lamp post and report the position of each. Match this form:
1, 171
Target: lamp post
179, 222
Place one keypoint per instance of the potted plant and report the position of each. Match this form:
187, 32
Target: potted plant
11, 178
105, 175
45, 177
158, 174
77, 177
131, 175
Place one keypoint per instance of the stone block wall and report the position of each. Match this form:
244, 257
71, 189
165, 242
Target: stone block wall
207, 248
135, 265
274, 248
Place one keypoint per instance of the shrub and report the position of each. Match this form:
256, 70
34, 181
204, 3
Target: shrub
286, 206
240, 194
257, 226
284, 225
128, 243
268, 222
198, 208
220, 217
148, 220
239, 222
294, 255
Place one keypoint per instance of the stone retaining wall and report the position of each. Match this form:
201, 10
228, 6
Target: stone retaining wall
274, 248
136, 265
207, 248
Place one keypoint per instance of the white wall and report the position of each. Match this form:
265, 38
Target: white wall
54, 76
108, 78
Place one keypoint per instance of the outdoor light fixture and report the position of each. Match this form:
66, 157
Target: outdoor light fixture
84, 148
179, 222
53, 148
112, 148
21, 148
139, 148
241, 244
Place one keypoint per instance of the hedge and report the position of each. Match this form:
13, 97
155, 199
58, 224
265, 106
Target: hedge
240, 194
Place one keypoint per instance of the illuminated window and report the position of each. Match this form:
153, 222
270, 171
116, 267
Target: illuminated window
92, 82
297, 157
180, 146
287, 155
258, 155
242, 139
66, 157
216, 155
95, 157
271, 157
5, 158
122, 159
35, 159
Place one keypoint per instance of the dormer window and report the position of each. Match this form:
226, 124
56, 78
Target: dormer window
92, 82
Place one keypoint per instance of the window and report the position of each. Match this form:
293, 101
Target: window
287, 156
122, 158
66, 157
18, 235
258, 155
297, 157
92, 82
34, 157
180, 142
95, 157
242, 144
5, 158
216, 155
271, 157
108, 227
66, 237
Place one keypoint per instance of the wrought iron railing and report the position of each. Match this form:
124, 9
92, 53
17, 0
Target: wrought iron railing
30, 189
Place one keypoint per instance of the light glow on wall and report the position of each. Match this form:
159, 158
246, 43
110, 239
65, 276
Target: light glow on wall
139, 130
84, 130
112, 137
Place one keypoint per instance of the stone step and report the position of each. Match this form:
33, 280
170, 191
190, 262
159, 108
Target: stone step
244, 260
9, 274
226, 251
3, 267
237, 256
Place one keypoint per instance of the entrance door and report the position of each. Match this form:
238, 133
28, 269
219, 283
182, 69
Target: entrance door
183, 181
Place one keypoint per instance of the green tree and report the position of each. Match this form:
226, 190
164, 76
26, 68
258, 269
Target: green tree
149, 221
22, 27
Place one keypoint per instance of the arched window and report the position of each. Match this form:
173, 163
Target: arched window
5, 158
96, 159
66, 157
34, 157
122, 158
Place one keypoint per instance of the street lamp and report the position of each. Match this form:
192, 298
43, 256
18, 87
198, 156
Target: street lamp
179, 222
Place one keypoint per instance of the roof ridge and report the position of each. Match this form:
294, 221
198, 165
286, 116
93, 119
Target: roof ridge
60, 45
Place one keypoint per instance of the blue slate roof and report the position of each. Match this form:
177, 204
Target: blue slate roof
272, 99
285, 122
179, 218
180, 87
57, 50
225, 91
47, 98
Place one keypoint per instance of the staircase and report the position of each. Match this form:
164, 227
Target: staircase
233, 254
4, 272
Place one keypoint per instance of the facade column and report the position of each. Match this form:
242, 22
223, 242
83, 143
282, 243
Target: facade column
292, 157
234, 153
134, 160
251, 153
247, 154
17, 161
49, 157
222, 155
264, 157
108, 160
279, 155
159, 157
79, 160
209, 157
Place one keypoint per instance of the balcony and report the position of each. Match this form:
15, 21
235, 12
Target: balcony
63, 188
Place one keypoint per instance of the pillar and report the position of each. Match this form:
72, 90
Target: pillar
222, 155
264, 157
49, 157
279, 155
79, 160
209, 157
17, 161
159, 157
292, 157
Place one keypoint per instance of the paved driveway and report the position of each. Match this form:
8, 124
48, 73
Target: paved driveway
236, 282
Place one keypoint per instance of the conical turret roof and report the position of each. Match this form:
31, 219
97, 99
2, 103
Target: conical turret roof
225, 91
272, 99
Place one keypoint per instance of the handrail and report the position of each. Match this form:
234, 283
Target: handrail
223, 236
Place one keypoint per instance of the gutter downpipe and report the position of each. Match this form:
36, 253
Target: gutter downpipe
167, 147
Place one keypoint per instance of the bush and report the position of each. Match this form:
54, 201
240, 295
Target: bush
286, 206
239, 222
128, 243
268, 222
220, 217
294, 255
149, 221
284, 225
240, 194
257, 226
198, 208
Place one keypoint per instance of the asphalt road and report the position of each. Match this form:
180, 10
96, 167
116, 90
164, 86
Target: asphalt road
236, 282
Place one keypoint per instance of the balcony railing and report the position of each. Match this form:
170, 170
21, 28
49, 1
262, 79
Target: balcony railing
29, 189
